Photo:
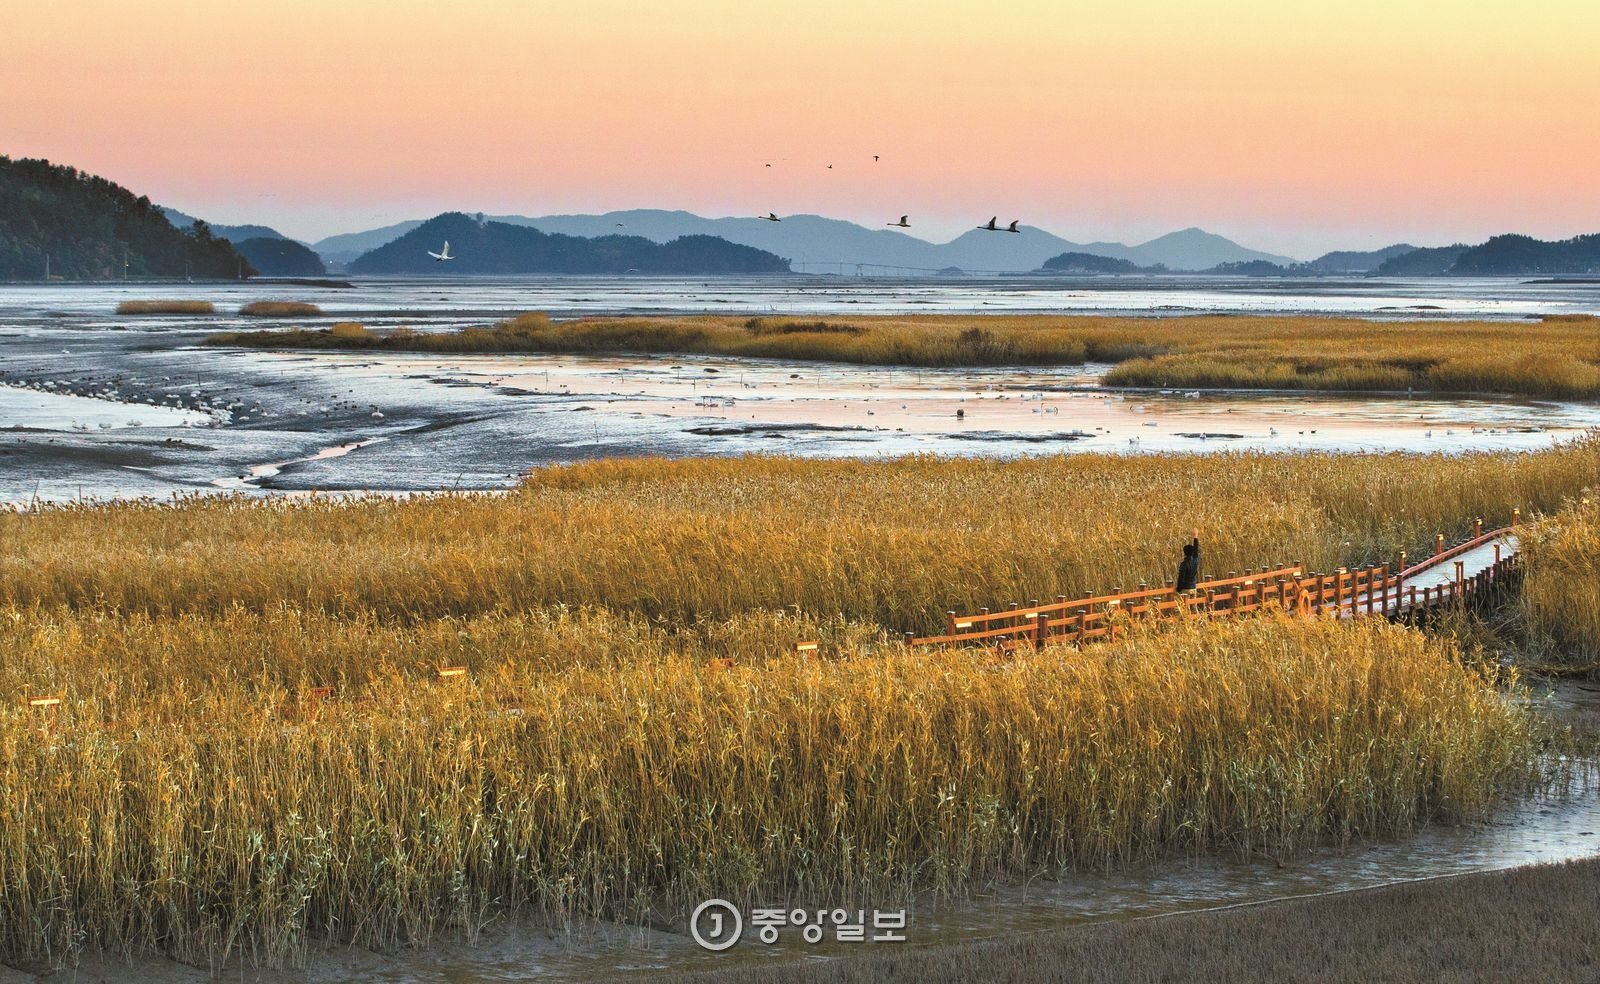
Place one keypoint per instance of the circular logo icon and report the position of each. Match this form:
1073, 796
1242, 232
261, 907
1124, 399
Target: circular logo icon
716, 924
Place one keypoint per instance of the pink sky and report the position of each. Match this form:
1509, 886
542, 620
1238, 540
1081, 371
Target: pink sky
1290, 127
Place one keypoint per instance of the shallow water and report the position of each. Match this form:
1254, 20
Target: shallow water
295, 422
40, 409
382, 300
89, 399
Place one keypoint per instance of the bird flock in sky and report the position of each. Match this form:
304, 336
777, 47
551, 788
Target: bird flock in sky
993, 225
905, 220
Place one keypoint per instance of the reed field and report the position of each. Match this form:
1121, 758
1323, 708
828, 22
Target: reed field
192, 797
1556, 358
893, 542
166, 307
1561, 588
279, 309
633, 729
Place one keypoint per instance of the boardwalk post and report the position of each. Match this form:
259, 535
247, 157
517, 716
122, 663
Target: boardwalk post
1083, 626
1438, 544
1338, 590
1477, 527
949, 623
1460, 575
1516, 516
50, 706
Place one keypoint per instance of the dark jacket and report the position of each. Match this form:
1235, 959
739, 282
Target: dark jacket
1189, 570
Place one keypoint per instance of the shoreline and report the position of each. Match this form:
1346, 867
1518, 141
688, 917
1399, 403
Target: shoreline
1534, 922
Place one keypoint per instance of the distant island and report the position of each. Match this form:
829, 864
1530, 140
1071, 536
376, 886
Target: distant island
61, 223
1073, 262
482, 246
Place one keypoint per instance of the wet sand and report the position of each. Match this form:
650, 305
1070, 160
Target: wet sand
106, 414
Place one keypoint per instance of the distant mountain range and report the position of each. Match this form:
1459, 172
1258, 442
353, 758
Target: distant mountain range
1501, 256
814, 243
281, 257
343, 248
232, 233
59, 222
486, 246
1346, 261
1425, 261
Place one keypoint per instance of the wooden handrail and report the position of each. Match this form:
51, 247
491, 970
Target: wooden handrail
1436, 559
1368, 590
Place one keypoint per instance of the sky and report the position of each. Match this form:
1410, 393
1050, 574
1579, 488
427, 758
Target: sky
1290, 127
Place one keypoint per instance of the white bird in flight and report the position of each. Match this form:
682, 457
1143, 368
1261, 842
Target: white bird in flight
442, 255
902, 224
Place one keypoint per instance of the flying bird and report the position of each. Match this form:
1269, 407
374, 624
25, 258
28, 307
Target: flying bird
1013, 226
770, 217
991, 227
443, 254
874, 156
902, 224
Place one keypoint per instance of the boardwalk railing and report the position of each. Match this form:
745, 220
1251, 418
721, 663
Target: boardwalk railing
1403, 590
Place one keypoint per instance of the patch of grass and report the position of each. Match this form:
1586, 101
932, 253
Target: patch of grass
166, 307
230, 810
635, 731
1558, 357
350, 333
893, 542
1561, 585
279, 309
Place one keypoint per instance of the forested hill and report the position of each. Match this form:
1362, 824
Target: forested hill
499, 247
89, 227
1515, 255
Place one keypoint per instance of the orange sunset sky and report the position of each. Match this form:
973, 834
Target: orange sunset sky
1293, 127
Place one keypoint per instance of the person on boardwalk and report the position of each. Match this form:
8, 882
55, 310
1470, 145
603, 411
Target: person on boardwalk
1189, 570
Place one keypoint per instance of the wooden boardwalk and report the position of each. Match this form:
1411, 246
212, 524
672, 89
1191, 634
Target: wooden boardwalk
1450, 575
